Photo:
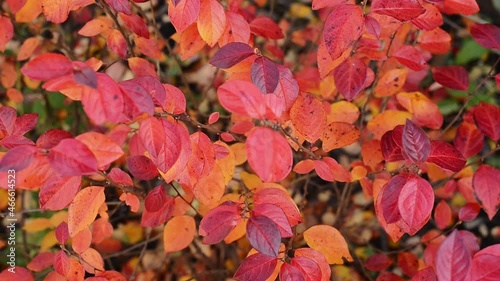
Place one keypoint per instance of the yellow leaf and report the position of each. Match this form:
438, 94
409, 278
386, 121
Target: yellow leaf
211, 21
240, 153
58, 218
93, 260
36, 225
328, 241
250, 180
48, 241
178, 233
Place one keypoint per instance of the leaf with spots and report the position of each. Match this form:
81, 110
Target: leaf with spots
350, 77
328, 241
339, 134
84, 208
308, 117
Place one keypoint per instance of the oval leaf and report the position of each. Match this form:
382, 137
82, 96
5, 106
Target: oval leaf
453, 77
264, 235
342, 28
328, 241
415, 143
265, 74
350, 77
84, 208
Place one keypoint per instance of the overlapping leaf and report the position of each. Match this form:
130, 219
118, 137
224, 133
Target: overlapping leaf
342, 28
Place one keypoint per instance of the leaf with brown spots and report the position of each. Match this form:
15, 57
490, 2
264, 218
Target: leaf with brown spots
339, 134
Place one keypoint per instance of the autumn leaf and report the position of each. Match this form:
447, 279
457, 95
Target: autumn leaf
178, 233
84, 208
328, 241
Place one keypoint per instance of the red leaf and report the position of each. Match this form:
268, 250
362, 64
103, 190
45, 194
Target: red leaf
453, 77
256, 267
231, 54
51, 138
487, 189
415, 143
390, 193
486, 116
243, 98
342, 28
408, 262
430, 19
436, 41
58, 192
213, 118
276, 215
104, 104
391, 144
161, 139
156, 199
377, 262
269, 154
410, 57
202, 159
469, 212
318, 258
136, 24
41, 261
289, 272
13, 141
442, 214
329, 170
281, 199
137, 100
154, 87
72, 158
184, 13
264, 235
350, 77
402, 10
265, 75
219, 221
47, 66
153, 219
426, 274
62, 234
468, 140
18, 158
453, 258
309, 268
266, 27
446, 156
6, 31
119, 6
484, 265
320, 4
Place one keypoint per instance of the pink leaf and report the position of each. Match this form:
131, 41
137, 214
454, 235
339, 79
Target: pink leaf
269, 154
264, 235
487, 35
289, 272
137, 100
85, 76
484, 265
402, 10
243, 98
453, 77
231, 54
453, 259
309, 268
17, 158
184, 13
47, 66
487, 188
372, 26
58, 192
416, 144
469, 212
390, 194
350, 77
265, 75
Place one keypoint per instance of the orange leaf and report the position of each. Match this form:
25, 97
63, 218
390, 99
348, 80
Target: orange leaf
184, 13
425, 112
212, 21
304, 166
148, 47
84, 208
81, 241
391, 82
104, 149
27, 48
308, 117
371, 152
190, 42
386, 121
210, 189
178, 233
328, 241
141, 67
339, 134
93, 260
96, 26
9, 74
30, 11
56, 11
237, 29
131, 200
